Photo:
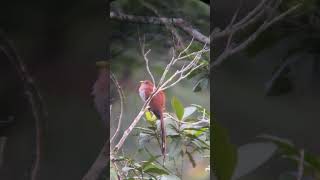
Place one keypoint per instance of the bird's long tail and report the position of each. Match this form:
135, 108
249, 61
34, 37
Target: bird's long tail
163, 137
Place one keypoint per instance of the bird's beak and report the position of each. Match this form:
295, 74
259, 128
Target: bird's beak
141, 81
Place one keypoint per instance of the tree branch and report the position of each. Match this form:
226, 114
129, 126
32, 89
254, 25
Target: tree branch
230, 51
251, 17
178, 22
170, 82
120, 92
145, 56
170, 27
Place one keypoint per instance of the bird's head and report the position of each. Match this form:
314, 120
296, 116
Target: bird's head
146, 83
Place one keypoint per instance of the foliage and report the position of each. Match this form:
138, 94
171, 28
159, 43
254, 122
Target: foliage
302, 27
188, 136
230, 162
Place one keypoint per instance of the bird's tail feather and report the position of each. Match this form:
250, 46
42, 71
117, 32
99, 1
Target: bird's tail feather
163, 137
159, 115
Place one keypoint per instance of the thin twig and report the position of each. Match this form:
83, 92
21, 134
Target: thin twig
179, 22
242, 23
169, 26
120, 92
228, 52
178, 75
231, 23
117, 170
145, 56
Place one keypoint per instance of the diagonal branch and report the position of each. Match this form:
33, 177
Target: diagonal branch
251, 17
120, 92
163, 85
145, 56
178, 22
170, 27
230, 51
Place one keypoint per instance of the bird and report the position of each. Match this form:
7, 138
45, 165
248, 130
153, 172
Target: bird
101, 92
156, 106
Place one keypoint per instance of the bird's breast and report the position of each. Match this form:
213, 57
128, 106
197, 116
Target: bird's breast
142, 95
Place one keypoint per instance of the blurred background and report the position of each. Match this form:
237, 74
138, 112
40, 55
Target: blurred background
247, 107
59, 41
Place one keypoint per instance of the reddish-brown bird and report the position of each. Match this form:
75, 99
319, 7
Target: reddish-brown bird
157, 106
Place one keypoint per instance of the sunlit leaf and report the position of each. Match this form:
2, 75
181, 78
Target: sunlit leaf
178, 107
155, 169
150, 117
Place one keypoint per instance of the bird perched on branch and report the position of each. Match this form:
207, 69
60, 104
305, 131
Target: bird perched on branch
156, 106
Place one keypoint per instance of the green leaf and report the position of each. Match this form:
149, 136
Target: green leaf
150, 117
251, 156
201, 110
194, 138
145, 130
175, 148
155, 169
195, 131
178, 107
143, 139
188, 111
171, 130
285, 146
224, 153
152, 159
288, 150
197, 87
201, 83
